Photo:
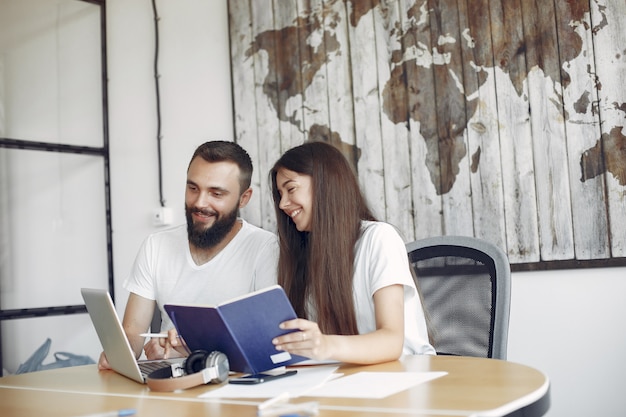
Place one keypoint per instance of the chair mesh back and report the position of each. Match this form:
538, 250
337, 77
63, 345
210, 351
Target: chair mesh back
459, 301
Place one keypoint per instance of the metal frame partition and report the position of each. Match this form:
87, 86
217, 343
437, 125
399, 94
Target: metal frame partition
103, 151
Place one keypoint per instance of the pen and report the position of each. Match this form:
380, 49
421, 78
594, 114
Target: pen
119, 413
156, 335
153, 334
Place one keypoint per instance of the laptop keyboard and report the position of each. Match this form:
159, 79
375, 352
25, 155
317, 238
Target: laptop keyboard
147, 367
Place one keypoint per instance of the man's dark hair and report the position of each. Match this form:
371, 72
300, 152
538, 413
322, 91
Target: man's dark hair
220, 151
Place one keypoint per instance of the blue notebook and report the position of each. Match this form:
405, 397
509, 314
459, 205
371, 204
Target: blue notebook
241, 328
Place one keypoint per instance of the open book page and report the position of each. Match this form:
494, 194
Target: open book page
202, 328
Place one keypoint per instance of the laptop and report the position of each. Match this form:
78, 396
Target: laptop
113, 339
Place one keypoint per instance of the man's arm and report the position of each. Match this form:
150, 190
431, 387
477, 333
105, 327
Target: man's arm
137, 319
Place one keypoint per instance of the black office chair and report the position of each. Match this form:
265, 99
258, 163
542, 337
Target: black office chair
466, 287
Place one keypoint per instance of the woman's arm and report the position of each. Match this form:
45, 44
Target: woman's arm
383, 344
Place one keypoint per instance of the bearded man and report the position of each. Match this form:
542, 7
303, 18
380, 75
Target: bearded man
216, 256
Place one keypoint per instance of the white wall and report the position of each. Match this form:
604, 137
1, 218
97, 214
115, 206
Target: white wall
565, 323
196, 106
568, 324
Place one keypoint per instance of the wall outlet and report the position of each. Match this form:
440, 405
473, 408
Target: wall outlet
162, 216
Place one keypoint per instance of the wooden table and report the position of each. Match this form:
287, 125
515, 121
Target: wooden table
472, 387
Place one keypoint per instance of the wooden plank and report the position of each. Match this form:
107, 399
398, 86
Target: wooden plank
313, 56
288, 74
338, 74
366, 105
589, 205
2, 110
515, 133
262, 21
482, 126
416, 67
395, 147
608, 19
242, 69
450, 105
548, 133
326, 69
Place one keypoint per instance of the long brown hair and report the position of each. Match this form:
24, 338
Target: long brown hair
319, 265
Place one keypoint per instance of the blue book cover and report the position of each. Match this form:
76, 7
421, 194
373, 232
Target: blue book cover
241, 328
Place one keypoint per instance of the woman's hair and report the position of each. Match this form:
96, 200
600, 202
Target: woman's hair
318, 266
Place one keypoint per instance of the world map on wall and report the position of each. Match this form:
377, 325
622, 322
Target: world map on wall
294, 60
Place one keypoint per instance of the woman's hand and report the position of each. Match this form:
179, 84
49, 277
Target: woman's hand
307, 341
383, 344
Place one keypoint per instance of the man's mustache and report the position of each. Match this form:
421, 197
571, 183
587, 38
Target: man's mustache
204, 212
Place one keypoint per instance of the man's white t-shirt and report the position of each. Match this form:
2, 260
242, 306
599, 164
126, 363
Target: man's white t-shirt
381, 260
164, 270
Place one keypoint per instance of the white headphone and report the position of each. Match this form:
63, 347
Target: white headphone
201, 367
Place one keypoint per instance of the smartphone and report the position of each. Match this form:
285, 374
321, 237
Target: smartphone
259, 378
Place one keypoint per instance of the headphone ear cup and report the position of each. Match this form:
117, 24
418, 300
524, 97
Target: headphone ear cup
196, 361
219, 362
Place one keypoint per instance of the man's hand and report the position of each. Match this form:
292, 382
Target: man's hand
166, 347
103, 363
153, 349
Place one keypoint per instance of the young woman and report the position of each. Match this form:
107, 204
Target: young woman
346, 274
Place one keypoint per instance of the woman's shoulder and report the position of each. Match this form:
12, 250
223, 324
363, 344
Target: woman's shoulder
378, 231
371, 227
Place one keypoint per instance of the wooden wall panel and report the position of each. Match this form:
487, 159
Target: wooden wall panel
547, 130
338, 72
368, 133
395, 136
242, 73
608, 26
580, 103
289, 52
497, 119
452, 110
267, 68
412, 75
487, 192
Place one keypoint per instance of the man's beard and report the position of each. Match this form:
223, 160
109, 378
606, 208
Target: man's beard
210, 237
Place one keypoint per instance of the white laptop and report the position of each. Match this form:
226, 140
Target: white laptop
113, 339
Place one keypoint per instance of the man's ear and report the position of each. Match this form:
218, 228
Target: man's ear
245, 198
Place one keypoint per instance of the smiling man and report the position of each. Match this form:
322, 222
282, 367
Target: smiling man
216, 256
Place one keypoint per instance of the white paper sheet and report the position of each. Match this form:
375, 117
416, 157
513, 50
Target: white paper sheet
372, 384
306, 379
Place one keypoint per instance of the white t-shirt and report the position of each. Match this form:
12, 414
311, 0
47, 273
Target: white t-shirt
381, 260
164, 270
